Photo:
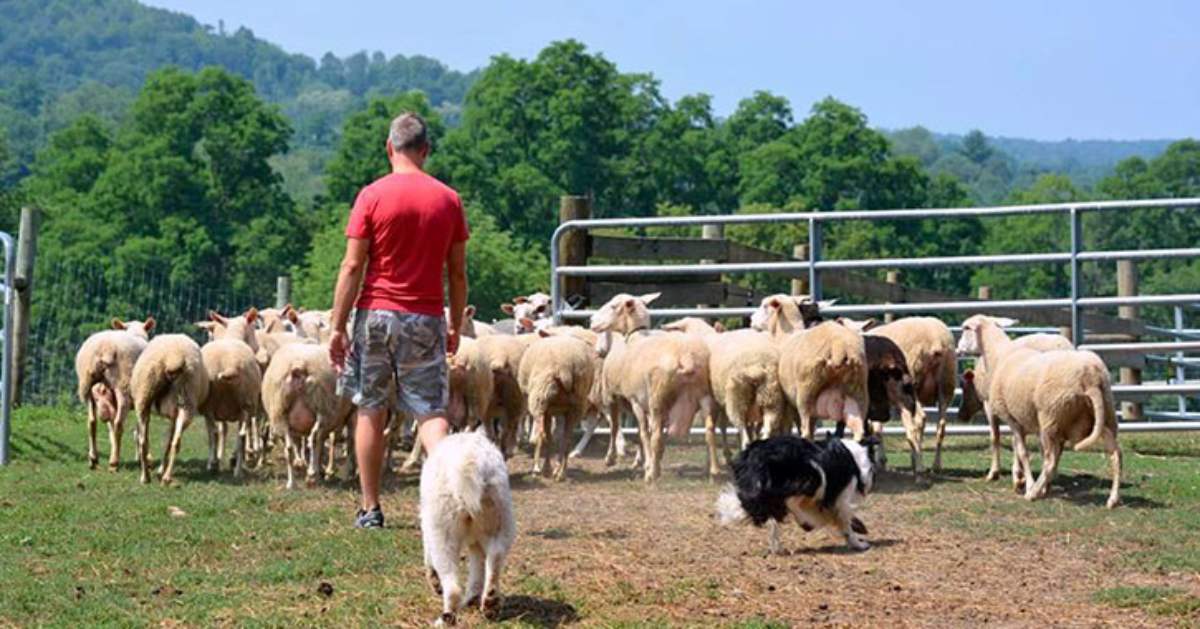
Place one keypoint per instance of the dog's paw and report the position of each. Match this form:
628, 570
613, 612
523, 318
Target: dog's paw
446, 620
857, 526
490, 606
858, 545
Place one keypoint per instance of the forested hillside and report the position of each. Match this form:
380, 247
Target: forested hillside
238, 162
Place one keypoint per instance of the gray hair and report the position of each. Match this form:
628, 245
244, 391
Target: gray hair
408, 132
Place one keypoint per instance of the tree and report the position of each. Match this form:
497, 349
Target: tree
760, 119
975, 147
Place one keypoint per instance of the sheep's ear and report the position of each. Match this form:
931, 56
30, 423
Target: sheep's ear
506, 308
649, 297
252, 315
206, 325
215, 316
526, 324
673, 326
520, 300
825, 303
1004, 322
869, 323
969, 375
774, 304
149, 324
118, 324
291, 314
718, 326
544, 333
469, 312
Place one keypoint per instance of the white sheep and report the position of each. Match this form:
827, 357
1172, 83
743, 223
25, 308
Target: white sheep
664, 378
503, 354
975, 385
1063, 395
823, 372
556, 375
470, 382
781, 315
299, 396
235, 382
104, 366
169, 378
928, 346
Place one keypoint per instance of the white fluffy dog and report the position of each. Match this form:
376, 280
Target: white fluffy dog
466, 505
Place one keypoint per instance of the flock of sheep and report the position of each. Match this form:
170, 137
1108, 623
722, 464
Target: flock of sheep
268, 373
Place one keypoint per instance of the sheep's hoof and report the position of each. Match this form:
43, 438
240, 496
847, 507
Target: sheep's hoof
992, 475
166, 481
1112, 503
779, 551
610, 460
93, 462
145, 479
446, 620
575, 454
113, 466
310, 482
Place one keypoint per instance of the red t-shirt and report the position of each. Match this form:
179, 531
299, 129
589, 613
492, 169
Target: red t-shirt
410, 219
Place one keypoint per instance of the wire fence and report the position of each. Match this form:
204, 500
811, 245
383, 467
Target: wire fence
71, 302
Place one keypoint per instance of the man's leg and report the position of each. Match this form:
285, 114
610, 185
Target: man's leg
431, 431
368, 448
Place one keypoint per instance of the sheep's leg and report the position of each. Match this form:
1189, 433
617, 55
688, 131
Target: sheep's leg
724, 424
221, 434
316, 471
1114, 462
710, 440
333, 435
853, 414
414, 457
943, 403
880, 455
614, 432
994, 432
93, 456
239, 452
1022, 475
489, 603
289, 453
215, 436
569, 421
643, 436
143, 442
620, 435
914, 431
808, 425
540, 434
116, 430
654, 450
183, 417
589, 427
1051, 451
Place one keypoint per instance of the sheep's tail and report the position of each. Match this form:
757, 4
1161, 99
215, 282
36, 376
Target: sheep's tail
1100, 410
729, 508
468, 487
229, 375
687, 364
104, 359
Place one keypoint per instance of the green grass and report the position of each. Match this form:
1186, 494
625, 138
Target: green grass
82, 547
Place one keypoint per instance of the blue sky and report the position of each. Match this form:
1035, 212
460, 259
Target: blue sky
1041, 69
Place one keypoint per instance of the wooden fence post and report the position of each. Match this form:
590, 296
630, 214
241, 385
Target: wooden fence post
573, 249
283, 291
23, 279
985, 293
893, 278
800, 282
1127, 286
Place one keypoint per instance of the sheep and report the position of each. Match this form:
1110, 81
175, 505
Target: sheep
928, 347
299, 396
744, 374
596, 402
1064, 395
272, 320
471, 383
975, 385
234, 388
889, 383
663, 378
104, 365
556, 375
168, 378
470, 328
823, 372
466, 505
781, 315
503, 354
311, 324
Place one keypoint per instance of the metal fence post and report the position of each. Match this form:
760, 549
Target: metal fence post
814, 254
1180, 369
6, 354
283, 291
1076, 244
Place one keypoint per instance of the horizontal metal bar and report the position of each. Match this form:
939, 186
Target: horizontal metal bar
1181, 334
979, 430
1187, 389
1141, 300
1139, 254
681, 269
920, 214
1183, 346
936, 261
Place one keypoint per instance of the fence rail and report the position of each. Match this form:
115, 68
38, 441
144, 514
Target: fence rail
1066, 311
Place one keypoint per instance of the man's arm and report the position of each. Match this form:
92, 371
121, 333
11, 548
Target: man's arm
456, 275
350, 275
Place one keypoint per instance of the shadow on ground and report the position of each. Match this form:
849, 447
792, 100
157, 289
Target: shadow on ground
539, 612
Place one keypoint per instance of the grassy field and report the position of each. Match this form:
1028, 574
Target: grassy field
81, 547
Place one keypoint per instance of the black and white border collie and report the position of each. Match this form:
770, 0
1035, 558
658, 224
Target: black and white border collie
819, 484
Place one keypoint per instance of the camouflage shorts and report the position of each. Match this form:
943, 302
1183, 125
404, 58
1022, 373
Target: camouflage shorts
397, 353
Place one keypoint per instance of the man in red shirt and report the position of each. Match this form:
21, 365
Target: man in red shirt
404, 230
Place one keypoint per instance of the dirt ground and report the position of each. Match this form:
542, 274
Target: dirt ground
643, 555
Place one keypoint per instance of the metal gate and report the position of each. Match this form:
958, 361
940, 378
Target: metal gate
1181, 341
6, 354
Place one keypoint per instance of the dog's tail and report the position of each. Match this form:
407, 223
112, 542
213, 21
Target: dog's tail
729, 508
468, 487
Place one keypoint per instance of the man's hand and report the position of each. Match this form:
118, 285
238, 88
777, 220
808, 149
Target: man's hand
451, 341
337, 350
